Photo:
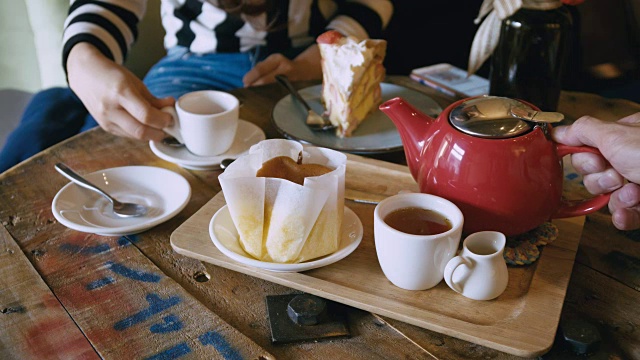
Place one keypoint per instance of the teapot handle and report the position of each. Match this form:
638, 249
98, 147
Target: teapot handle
571, 208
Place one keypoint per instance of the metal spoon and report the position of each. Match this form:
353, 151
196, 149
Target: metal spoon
536, 116
225, 163
119, 208
172, 142
314, 121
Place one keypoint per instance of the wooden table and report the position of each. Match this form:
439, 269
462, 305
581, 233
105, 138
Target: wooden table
157, 304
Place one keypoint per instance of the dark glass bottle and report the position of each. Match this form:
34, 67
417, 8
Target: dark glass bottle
529, 60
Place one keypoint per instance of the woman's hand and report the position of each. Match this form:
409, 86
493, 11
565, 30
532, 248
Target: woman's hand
117, 99
305, 66
619, 144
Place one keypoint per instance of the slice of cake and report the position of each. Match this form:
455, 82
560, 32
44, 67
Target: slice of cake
351, 74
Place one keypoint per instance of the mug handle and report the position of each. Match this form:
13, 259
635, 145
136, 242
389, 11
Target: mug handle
579, 207
173, 130
451, 267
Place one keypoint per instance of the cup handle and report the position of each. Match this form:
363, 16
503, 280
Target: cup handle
451, 267
579, 207
173, 130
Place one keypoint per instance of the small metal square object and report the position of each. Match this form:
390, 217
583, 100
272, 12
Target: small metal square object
330, 324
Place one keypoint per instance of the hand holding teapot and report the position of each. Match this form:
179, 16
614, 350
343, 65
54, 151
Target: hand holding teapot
490, 157
619, 143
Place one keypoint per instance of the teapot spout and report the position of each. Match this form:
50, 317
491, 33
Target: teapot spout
413, 127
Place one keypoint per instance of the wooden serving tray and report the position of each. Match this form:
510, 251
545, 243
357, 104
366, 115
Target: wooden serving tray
522, 321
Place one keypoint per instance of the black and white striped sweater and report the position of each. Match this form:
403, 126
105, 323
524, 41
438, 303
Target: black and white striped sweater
111, 25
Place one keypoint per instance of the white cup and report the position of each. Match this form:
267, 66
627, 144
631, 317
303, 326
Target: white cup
205, 121
415, 262
480, 271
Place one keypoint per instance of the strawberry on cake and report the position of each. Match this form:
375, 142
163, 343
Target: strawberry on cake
351, 74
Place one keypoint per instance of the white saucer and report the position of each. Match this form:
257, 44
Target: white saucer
247, 134
225, 237
164, 192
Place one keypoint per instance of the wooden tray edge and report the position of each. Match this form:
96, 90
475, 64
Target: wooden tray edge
531, 341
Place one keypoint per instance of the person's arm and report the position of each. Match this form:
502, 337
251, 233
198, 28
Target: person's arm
110, 26
96, 40
619, 144
305, 66
362, 19
115, 97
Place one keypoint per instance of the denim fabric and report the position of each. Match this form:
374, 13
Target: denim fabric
51, 116
181, 72
56, 114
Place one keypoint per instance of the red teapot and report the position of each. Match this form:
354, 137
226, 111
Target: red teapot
491, 157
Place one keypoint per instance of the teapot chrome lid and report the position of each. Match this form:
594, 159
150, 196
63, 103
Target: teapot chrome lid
498, 117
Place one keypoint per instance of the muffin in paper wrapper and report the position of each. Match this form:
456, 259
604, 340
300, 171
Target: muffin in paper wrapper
277, 219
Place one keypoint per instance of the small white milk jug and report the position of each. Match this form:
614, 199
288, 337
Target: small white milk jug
480, 271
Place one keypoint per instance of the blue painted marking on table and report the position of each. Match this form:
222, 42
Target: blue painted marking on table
156, 305
131, 273
128, 240
100, 283
123, 241
170, 323
220, 344
572, 176
86, 250
172, 352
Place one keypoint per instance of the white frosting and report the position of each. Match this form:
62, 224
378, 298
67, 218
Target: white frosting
345, 61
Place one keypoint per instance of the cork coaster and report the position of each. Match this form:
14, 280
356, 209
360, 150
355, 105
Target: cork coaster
523, 249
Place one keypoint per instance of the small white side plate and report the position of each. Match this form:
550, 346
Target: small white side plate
164, 192
247, 135
225, 237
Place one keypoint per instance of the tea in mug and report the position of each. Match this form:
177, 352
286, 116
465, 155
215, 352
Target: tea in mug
418, 221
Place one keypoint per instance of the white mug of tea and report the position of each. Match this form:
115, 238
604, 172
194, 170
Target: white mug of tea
480, 271
416, 234
205, 121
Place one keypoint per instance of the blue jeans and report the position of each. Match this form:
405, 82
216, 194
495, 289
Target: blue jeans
56, 114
